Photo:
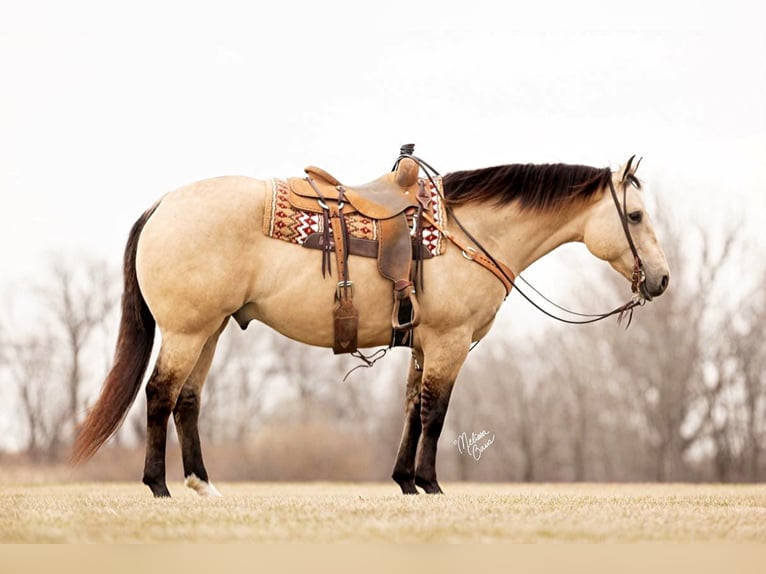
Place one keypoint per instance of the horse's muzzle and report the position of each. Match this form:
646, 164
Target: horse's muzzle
651, 289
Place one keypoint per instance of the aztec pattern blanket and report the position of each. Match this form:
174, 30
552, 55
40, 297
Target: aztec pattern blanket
283, 221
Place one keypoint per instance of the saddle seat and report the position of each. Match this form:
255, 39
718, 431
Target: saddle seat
388, 196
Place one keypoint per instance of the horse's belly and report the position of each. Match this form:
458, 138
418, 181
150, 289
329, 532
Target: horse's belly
291, 296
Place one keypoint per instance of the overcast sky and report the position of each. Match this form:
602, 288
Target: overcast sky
103, 109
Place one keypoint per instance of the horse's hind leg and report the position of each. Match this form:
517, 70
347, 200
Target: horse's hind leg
404, 469
186, 417
178, 356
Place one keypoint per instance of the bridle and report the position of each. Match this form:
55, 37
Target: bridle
508, 278
639, 275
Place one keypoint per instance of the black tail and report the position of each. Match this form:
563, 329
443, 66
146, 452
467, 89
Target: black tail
134, 347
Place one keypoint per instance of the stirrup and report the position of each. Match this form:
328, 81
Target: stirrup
412, 323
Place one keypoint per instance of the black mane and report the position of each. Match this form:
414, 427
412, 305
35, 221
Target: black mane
537, 187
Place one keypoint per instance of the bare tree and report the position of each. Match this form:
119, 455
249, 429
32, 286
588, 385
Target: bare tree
638, 404
659, 362
735, 393
507, 390
315, 377
80, 297
578, 371
750, 353
48, 368
30, 364
236, 388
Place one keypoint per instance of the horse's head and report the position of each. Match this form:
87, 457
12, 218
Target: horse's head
608, 238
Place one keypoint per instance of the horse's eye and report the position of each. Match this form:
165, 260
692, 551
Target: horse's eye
635, 216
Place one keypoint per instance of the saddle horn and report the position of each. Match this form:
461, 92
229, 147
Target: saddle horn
406, 168
407, 172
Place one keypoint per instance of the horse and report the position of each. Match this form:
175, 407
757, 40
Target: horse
198, 257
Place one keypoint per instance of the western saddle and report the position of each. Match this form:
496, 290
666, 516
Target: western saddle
388, 200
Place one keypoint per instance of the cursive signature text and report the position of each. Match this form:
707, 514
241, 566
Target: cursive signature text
473, 445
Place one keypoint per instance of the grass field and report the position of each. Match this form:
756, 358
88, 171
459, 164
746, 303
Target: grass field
334, 512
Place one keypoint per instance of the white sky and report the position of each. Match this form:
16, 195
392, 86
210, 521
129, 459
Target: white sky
104, 109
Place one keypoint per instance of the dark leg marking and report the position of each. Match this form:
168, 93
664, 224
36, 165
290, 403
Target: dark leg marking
404, 468
159, 404
433, 409
186, 417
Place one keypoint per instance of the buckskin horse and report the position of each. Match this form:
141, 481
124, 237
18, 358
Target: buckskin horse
199, 257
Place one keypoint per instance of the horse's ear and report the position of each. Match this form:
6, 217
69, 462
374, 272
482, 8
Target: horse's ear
626, 171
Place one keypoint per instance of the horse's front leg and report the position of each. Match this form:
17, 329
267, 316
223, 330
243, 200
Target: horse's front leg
404, 469
441, 367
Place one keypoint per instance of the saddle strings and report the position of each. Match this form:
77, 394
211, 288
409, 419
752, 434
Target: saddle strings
622, 311
368, 361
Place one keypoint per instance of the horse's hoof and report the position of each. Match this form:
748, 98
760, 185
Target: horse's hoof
408, 488
429, 486
406, 481
161, 492
159, 489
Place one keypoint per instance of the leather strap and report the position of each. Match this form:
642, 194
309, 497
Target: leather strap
639, 275
326, 246
497, 268
345, 315
338, 224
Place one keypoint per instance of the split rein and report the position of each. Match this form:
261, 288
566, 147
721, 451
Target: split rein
506, 276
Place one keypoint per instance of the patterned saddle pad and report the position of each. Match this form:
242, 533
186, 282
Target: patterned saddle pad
283, 221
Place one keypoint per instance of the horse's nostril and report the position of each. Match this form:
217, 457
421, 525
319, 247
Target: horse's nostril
664, 282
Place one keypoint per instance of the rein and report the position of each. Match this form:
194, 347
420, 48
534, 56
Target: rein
506, 275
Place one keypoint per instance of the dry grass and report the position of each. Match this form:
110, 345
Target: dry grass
337, 512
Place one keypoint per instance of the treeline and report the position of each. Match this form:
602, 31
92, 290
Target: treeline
679, 396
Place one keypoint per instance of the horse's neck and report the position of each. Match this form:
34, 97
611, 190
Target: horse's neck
520, 238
